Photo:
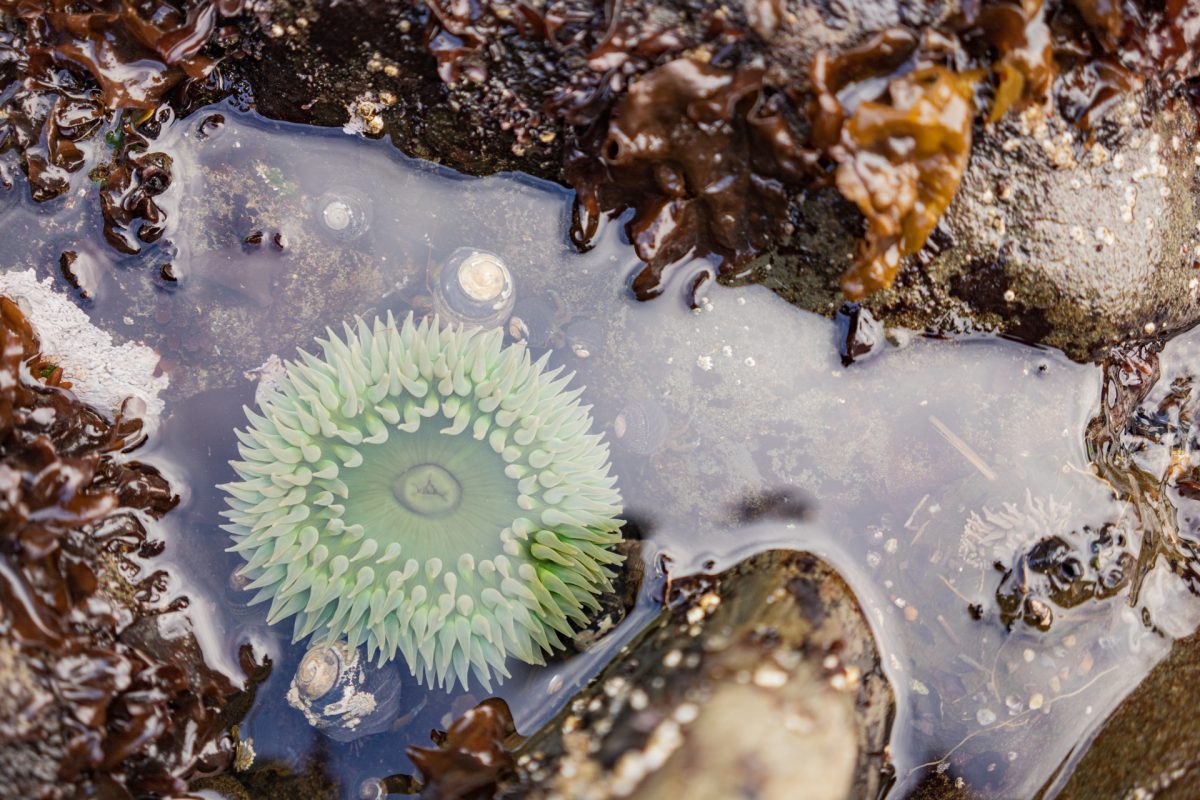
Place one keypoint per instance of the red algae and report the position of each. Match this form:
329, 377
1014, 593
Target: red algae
709, 123
100, 701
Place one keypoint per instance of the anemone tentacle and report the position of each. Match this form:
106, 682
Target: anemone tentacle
430, 493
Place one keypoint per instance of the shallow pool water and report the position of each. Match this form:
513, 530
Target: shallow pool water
733, 423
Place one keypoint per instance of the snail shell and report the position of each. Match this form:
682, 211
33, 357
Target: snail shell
586, 338
641, 427
342, 695
343, 213
539, 321
472, 287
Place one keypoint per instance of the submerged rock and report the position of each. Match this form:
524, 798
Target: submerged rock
343, 695
1148, 747
756, 680
103, 374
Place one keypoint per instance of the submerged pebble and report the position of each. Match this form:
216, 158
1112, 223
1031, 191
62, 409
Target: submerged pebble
586, 338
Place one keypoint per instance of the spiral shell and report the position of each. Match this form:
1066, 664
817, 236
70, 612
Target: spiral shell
343, 213
473, 288
344, 696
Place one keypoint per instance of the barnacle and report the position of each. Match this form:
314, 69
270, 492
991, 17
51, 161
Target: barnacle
426, 491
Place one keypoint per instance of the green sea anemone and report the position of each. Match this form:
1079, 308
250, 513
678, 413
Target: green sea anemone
424, 490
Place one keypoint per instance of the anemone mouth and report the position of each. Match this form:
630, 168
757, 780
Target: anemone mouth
431, 494
427, 492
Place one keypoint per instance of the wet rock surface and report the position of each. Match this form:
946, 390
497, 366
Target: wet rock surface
106, 691
1055, 240
1149, 434
757, 680
823, 140
736, 132
1148, 746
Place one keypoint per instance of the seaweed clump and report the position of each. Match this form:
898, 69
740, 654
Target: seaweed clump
704, 156
711, 123
473, 757
898, 155
99, 701
69, 66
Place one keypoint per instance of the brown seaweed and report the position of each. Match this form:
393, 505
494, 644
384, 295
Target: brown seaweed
130, 185
704, 157
100, 700
76, 63
472, 757
899, 158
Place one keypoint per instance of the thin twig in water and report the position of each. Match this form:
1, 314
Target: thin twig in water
963, 448
1020, 719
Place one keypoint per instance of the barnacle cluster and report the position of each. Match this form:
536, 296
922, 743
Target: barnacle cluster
429, 492
96, 701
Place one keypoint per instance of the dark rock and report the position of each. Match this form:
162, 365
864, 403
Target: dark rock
858, 333
756, 680
1147, 441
